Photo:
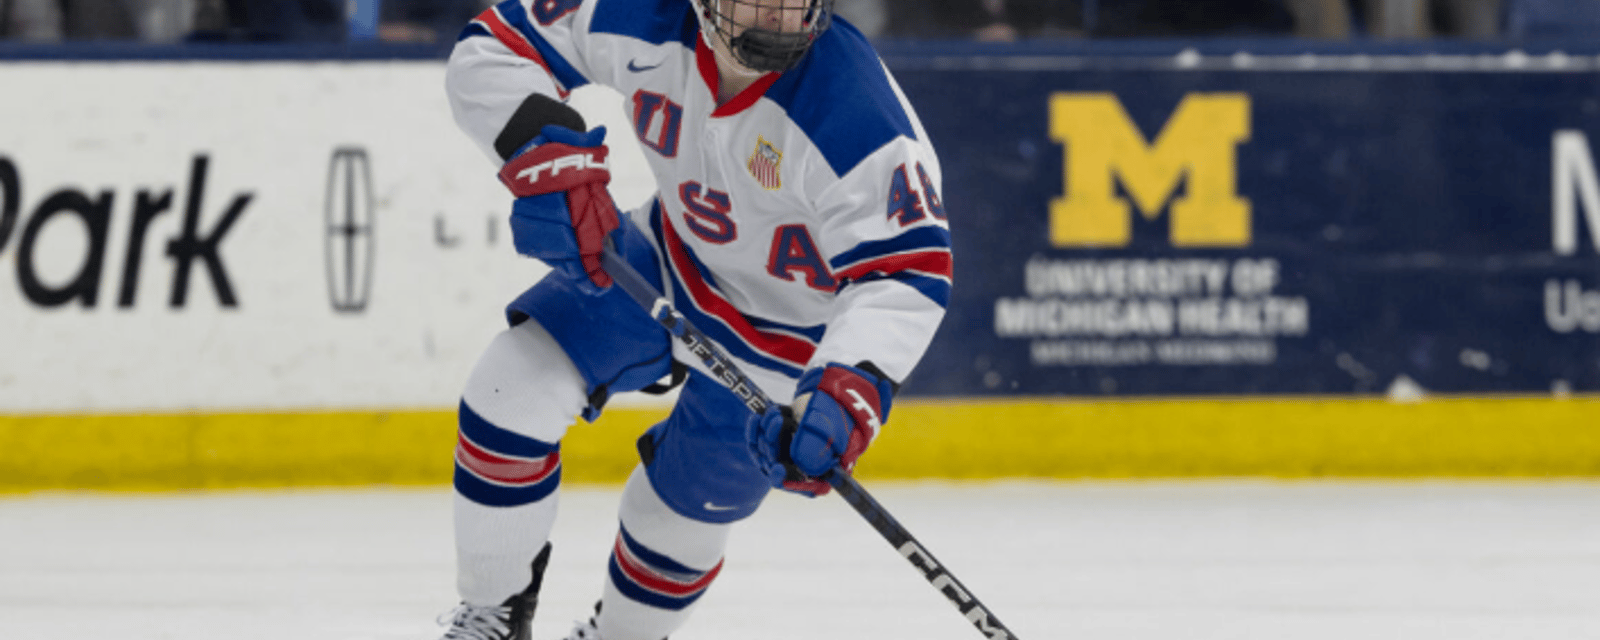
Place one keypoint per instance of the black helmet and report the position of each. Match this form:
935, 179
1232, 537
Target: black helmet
764, 49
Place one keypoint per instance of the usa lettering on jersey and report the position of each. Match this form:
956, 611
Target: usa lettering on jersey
773, 205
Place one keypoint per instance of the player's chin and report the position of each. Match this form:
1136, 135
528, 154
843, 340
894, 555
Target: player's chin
722, 48
732, 63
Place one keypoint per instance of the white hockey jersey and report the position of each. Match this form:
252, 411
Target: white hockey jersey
800, 223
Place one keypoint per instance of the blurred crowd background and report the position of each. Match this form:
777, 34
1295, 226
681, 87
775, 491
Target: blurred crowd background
438, 21
1009, 20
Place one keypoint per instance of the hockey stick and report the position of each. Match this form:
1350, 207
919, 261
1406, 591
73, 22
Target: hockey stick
728, 373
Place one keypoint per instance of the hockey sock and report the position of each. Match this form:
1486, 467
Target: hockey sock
517, 404
505, 506
660, 565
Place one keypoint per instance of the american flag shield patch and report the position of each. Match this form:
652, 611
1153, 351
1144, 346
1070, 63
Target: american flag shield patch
763, 164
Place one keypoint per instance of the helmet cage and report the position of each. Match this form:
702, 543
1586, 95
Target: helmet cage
765, 49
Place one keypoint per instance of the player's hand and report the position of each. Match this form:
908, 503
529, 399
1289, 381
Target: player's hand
837, 412
563, 211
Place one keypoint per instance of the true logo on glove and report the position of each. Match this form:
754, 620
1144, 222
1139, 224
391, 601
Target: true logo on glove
863, 407
574, 161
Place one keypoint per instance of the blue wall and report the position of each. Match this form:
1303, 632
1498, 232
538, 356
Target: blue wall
1399, 221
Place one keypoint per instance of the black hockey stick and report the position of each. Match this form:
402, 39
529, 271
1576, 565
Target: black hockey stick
729, 374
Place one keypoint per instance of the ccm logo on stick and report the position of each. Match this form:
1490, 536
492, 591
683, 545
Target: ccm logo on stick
941, 580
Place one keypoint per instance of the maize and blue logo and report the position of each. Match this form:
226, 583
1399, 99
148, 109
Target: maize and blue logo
1197, 148
1082, 307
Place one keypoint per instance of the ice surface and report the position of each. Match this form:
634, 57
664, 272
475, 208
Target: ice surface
1053, 561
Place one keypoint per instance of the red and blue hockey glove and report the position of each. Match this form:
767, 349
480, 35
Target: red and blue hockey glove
840, 410
563, 211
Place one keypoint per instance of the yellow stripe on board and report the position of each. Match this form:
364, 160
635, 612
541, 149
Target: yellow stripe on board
965, 439
1290, 437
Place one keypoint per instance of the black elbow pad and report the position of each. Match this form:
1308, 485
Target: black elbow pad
531, 117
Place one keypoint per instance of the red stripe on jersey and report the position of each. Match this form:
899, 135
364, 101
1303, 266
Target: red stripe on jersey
706, 61
930, 263
503, 469
784, 347
518, 44
639, 572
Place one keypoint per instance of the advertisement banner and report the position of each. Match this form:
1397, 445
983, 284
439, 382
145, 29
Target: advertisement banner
220, 273
1174, 227
181, 236
201, 236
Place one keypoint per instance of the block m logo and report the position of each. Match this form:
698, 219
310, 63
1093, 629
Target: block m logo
1196, 147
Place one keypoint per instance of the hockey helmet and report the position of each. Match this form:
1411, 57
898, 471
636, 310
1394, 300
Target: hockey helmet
760, 45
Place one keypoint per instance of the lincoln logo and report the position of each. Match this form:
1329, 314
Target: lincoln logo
347, 214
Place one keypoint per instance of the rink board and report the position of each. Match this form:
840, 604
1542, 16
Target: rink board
1241, 265
1289, 437
1265, 224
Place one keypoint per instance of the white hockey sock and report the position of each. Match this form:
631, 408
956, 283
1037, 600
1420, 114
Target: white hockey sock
522, 395
495, 547
660, 565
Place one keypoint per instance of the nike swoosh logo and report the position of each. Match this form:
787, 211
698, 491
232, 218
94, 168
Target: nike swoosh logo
633, 66
713, 507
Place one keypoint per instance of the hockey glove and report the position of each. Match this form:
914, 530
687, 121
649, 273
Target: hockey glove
840, 410
563, 211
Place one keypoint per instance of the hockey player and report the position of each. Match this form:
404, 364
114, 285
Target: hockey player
798, 223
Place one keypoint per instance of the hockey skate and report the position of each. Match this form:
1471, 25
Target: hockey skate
588, 629
511, 620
